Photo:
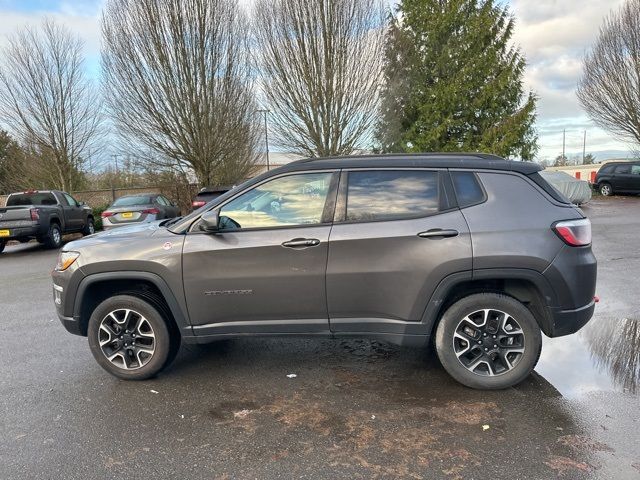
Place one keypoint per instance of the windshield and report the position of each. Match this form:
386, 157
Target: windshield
130, 201
38, 198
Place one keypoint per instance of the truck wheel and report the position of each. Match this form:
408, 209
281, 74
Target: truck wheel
488, 341
89, 227
2, 244
53, 239
129, 338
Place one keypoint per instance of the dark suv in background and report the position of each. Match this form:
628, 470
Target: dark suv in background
479, 252
618, 177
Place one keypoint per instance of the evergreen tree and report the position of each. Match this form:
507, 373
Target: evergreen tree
453, 81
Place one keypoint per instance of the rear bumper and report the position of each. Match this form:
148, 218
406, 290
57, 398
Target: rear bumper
572, 275
20, 232
566, 322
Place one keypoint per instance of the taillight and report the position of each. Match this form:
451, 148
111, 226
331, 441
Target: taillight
34, 214
151, 211
106, 214
576, 233
198, 203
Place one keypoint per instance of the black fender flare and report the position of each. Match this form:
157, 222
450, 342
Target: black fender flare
181, 319
444, 288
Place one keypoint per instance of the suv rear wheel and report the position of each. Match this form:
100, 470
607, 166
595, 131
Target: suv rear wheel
129, 338
488, 341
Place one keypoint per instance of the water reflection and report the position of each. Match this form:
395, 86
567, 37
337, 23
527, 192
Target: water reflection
615, 348
603, 356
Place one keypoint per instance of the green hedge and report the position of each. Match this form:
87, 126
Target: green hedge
97, 216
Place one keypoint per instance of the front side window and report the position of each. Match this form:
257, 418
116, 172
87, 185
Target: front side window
391, 195
635, 169
70, 200
285, 201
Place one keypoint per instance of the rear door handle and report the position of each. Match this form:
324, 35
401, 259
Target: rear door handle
301, 243
438, 233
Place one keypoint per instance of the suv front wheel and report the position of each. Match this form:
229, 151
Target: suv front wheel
129, 338
488, 341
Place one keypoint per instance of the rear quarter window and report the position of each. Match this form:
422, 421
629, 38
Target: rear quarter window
468, 189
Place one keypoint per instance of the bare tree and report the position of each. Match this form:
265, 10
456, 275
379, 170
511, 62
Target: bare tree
46, 100
609, 89
320, 63
178, 84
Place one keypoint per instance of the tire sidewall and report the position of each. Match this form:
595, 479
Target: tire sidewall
473, 303
161, 332
602, 190
90, 227
50, 241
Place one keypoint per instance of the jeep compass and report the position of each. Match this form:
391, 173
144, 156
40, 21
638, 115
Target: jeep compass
473, 252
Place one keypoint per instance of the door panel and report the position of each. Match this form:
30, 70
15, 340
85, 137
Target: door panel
385, 270
249, 276
73, 213
266, 265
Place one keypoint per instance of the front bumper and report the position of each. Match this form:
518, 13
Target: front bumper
71, 324
65, 285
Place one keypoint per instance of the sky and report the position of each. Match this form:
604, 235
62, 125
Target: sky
553, 35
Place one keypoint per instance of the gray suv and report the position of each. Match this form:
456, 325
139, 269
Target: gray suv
475, 252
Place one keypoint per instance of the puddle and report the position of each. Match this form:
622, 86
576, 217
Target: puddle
603, 356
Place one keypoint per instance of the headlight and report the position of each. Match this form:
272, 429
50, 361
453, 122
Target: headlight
65, 260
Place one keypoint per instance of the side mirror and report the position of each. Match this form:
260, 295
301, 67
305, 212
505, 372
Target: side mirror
82, 204
210, 221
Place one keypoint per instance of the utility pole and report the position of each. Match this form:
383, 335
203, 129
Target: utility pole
264, 111
564, 135
584, 146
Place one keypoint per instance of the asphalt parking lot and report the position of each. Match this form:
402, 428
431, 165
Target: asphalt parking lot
356, 409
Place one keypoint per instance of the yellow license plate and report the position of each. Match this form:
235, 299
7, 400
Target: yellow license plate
127, 215
5, 233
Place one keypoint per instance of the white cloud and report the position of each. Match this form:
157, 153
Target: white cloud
84, 22
554, 35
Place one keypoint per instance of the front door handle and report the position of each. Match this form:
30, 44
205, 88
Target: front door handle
301, 243
438, 233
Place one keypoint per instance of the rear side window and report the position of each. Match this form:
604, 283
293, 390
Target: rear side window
607, 169
468, 188
44, 198
623, 169
391, 195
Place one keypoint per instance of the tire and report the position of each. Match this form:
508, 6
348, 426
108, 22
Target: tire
130, 361
605, 189
89, 227
495, 368
2, 245
53, 239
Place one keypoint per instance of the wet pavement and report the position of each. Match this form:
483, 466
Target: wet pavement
356, 409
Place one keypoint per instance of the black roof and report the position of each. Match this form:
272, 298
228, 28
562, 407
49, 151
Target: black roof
433, 160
